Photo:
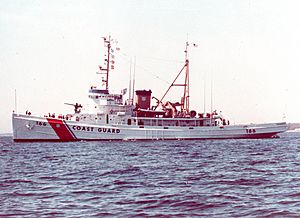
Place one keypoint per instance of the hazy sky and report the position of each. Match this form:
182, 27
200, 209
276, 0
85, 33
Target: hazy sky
250, 49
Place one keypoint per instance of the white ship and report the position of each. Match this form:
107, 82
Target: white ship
109, 117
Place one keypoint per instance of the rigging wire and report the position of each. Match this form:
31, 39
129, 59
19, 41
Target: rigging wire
125, 57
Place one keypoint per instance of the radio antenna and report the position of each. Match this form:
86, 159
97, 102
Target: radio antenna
16, 109
130, 97
133, 80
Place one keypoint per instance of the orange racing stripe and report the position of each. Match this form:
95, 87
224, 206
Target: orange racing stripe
61, 129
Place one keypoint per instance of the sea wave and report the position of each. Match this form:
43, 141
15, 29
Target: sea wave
223, 178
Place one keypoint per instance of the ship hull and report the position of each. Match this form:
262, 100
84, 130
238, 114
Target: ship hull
33, 129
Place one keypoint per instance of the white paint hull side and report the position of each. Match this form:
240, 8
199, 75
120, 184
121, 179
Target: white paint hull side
31, 128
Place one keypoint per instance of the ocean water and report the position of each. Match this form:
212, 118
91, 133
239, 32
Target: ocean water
209, 178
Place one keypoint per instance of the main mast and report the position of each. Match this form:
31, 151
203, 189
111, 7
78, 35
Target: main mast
186, 96
186, 92
105, 70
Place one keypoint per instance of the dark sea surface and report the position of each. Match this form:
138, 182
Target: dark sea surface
209, 178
